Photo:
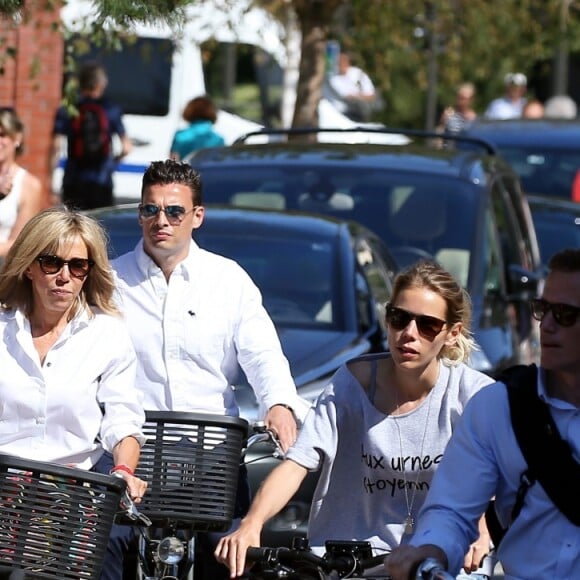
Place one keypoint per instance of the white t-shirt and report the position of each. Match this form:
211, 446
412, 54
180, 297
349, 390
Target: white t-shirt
367, 459
354, 81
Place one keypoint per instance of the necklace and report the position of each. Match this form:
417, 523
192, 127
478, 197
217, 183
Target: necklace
409, 521
6, 177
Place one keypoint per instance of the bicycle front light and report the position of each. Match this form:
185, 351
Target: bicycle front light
170, 550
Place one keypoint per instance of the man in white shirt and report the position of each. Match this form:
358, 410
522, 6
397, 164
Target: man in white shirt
354, 88
194, 316
511, 105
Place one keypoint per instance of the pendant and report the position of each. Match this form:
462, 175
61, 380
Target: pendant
409, 523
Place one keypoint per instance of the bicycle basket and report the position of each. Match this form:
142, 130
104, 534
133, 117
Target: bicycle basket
55, 521
191, 462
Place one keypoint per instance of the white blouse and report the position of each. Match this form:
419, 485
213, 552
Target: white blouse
81, 401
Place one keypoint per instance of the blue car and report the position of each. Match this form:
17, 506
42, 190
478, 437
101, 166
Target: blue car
423, 198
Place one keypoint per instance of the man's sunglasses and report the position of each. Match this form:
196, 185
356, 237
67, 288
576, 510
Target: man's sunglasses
78, 267
428, 326
174, 213
564, 314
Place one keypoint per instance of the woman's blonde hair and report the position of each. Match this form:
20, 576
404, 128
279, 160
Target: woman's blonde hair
47, 233
430, 275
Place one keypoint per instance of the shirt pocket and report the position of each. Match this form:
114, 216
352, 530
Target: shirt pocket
206, 335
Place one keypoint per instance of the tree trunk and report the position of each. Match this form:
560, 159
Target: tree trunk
314, 17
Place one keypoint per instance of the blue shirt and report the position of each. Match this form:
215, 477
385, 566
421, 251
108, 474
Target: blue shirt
103, 173
198, 135
483, 459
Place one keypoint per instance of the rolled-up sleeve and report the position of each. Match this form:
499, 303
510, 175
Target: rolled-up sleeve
123, 414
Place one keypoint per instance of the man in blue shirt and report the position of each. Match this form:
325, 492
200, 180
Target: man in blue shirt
88, 176
483, 458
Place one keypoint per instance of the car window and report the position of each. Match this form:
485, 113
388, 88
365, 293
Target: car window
295, 276
376, 272
493, 266
139, 74
414, 214
541, 170
511, 238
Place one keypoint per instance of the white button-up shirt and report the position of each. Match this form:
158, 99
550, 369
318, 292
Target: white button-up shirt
80, 401
191, 332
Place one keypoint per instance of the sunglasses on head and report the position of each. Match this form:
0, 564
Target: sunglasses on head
78, 267
564, 314
174, 213
428, 326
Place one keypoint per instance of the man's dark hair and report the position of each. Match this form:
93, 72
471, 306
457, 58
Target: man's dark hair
567, 260
169, 171
91, 76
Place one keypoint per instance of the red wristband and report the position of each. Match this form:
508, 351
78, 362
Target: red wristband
123, 467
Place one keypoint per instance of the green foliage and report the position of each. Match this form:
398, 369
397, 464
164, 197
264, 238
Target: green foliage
11, 7
476, 40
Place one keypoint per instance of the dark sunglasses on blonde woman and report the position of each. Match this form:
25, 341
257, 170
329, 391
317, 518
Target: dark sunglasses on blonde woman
428, 326
78, 267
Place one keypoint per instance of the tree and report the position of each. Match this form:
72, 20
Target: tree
313, 17
475, 40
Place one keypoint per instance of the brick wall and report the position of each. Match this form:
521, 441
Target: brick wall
31, 81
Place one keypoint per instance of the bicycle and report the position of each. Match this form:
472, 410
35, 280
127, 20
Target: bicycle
54, 520
342, 559
191, 461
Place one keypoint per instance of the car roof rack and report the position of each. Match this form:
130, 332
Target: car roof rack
488, 147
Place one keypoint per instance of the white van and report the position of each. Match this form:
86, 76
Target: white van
234, 54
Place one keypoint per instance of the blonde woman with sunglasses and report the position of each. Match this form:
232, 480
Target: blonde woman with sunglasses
379, 430
67, 384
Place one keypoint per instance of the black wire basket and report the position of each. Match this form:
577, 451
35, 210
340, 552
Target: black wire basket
191, 463
55, 521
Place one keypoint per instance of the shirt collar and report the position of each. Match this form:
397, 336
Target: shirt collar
80, 321
545, 397
186, 268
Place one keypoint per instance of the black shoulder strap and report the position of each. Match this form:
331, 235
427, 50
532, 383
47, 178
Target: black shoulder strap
548, 456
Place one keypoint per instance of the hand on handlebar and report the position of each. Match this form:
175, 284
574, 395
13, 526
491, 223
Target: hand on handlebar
282, 421
231, 550
404, 561
136, 487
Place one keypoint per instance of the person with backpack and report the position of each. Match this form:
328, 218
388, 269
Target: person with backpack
91, 161
518, 440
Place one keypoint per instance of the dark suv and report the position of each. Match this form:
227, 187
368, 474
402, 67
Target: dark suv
425, 198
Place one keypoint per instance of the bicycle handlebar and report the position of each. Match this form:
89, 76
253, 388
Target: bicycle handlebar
261, 434
345, 564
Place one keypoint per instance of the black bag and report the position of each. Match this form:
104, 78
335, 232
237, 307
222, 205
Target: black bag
90, 141
538, 438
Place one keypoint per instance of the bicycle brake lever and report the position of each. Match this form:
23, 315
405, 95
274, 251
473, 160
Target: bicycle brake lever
130, 511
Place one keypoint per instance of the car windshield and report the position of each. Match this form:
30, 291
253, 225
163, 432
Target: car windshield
545, 171
297, 278
417, 215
